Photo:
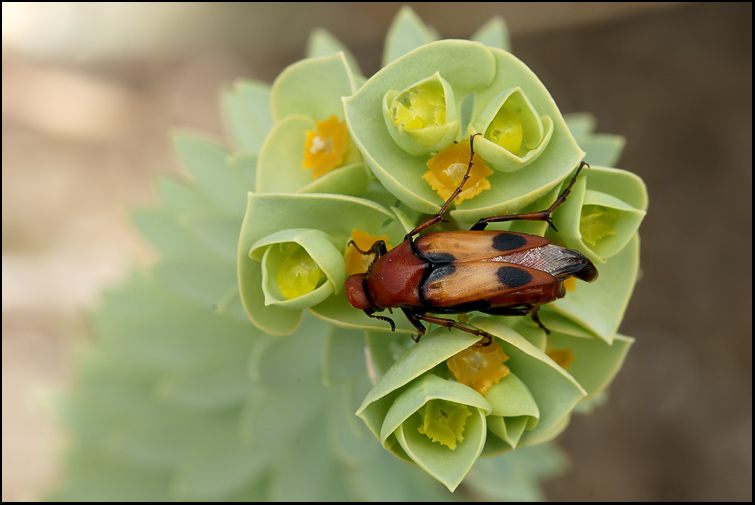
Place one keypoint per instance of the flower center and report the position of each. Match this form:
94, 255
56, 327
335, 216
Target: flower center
595, 223
447, 169
443, 422
321, 145
562, 357
419, 107
298, 274
325, 148
479, 367
506, 130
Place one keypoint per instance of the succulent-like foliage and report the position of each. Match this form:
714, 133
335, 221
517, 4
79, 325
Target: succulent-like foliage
235, 367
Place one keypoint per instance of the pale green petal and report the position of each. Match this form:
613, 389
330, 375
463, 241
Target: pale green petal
313, 87
344, 356
494, 33
246, 114
599, 306
407, 32
596, 362
322, 43
207, 162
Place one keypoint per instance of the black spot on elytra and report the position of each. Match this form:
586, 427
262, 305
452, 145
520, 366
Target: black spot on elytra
513, 277
508, 241
439, 272
440, 257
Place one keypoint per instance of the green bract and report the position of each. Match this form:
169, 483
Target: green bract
306, 92
602, 213
513, 134
234, 370
423, 117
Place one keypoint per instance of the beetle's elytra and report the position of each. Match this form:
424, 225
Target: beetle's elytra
494, 272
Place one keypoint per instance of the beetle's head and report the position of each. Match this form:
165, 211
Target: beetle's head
356, 294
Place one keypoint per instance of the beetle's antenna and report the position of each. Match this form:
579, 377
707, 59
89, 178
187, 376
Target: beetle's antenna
439, 216
351, 242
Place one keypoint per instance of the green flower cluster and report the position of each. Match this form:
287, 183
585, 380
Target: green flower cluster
323, 157
429, 97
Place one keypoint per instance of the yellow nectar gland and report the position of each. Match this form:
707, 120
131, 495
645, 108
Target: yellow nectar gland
420, 107
325, 148
595, 223
447, 169
479, 366
506, 130
298, 274
356, 262
443, 421
562, 357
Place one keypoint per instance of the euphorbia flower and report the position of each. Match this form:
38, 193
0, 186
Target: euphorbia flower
447, 168
325, 147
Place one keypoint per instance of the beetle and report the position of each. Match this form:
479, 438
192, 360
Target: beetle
494, 272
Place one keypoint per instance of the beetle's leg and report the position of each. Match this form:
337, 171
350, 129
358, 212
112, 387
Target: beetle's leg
415, 322
519, 311
439, 216
543, 215
536, 318
450, 323
383, 318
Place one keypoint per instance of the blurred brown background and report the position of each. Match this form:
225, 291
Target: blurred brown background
90, 91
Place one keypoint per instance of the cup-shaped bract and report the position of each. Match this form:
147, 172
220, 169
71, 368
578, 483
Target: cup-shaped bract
603, 212
300, 267
464, 66
513, 133
422, 118
320, 225
529, 405
395, 410
309, 149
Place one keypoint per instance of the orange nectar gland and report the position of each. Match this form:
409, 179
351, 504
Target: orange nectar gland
447, 169
479, 367
562, 357
356, 262
325, 148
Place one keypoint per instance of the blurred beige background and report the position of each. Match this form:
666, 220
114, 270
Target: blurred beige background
90, 91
